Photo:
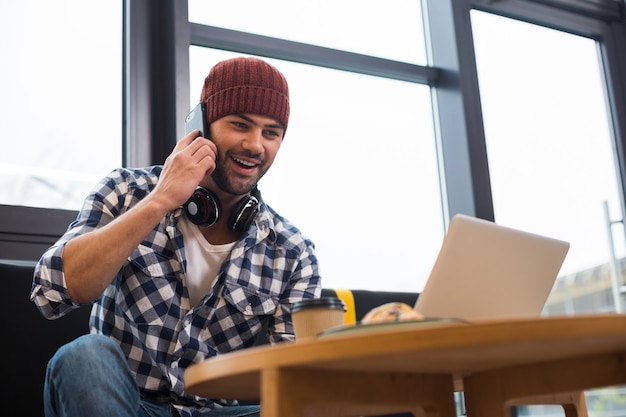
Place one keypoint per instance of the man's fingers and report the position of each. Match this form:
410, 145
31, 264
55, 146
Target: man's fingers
187, 139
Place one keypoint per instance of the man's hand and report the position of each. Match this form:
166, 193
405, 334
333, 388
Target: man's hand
191, 160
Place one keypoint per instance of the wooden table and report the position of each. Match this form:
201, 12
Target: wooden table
414, 368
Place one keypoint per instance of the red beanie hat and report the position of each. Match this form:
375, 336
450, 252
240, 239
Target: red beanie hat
246, 85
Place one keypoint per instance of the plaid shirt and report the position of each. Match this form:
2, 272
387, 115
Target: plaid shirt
146, 307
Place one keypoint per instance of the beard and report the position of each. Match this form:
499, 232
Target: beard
233, 183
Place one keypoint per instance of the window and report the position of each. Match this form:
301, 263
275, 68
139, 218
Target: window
60, 114
357, 172
551, 160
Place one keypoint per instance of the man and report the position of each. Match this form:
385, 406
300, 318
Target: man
176, 279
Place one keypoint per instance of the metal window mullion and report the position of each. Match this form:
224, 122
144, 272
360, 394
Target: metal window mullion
457, 110
544, 15
152, 65
247, 43
613, 62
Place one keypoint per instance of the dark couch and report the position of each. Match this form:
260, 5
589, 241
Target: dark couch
32, 340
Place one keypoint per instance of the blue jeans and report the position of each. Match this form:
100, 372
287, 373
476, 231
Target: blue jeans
91, 377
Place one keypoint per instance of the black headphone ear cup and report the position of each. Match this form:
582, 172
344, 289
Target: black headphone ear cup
244, 213
203, 207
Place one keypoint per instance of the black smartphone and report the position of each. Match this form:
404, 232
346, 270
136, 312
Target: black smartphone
196, 119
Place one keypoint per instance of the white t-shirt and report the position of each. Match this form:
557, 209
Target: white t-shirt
203, 260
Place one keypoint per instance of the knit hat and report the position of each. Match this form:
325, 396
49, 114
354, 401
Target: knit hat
246, 85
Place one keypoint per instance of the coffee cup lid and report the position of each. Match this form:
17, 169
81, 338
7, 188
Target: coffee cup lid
323, 302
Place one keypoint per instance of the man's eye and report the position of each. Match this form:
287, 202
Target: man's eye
272, 133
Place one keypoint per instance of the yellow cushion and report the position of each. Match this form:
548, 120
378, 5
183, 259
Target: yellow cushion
348, 299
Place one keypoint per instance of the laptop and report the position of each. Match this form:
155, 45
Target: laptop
485, 270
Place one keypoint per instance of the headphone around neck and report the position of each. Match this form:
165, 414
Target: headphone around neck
204, 209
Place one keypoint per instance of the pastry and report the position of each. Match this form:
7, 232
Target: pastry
394, 311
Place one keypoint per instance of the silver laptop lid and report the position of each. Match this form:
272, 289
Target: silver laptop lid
485, 270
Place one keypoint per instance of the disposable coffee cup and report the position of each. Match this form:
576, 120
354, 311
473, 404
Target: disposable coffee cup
311, 317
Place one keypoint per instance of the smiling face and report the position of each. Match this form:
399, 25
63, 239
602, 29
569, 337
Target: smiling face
247, 145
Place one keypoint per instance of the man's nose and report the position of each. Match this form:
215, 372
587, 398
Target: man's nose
254, 141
